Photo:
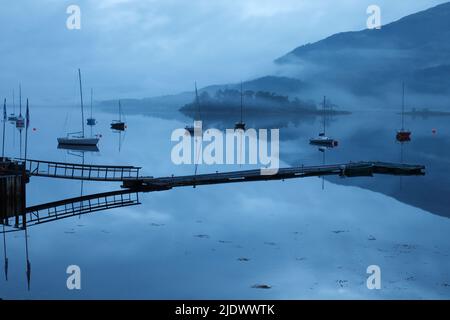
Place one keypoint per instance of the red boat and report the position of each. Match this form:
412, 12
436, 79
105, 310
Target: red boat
403, 136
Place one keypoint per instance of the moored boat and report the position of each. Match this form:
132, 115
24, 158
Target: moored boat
403, 135
78, 138
322, 140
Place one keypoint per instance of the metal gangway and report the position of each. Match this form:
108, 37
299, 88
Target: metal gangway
62, 170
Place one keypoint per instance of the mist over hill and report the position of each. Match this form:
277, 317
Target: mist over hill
414, 49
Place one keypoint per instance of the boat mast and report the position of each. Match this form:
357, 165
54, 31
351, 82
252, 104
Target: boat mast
198, 101
324, 120
120, 112
14, 104
20, 99
4, 124
241, 101
5, 255
92, 92
403, 107
81, 100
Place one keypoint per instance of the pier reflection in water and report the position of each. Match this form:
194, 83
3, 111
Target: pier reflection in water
187, 243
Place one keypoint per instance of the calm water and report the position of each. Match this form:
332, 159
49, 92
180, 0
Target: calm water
303, 240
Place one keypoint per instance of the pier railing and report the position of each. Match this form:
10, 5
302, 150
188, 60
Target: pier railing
66, 208
81, 171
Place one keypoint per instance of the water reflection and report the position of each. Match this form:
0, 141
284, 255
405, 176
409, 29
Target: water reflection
299, 240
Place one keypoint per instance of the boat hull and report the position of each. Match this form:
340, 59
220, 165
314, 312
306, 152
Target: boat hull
20, 122
324, 142
78, 141
403, 136
239, 126
118, 126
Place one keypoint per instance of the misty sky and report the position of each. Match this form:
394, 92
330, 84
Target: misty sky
137, 48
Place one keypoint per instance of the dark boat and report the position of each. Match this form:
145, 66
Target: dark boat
322, 140
189, 128
12, 117
91, 120
240, 125
403, 135
119, 125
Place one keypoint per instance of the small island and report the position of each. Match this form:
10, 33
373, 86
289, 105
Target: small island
425, 112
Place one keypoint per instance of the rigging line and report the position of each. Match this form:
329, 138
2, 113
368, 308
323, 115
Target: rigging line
81, 101
123, 139
196, 142
323, 177
241, 101
241, 149
20, 148
197, 155
64, 128
91, 101
5, 252
14, 137
197, 101
403, 107
324, 115
28, 260
26, 242
4, 129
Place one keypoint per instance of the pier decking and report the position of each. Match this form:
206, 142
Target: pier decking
357, 169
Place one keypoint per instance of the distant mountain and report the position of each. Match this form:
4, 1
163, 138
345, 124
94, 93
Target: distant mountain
415, 48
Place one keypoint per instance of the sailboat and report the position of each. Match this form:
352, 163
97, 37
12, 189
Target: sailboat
91, 120
189, 128
78, 138
20, 121
322, 139
118, 124
12, 117
240, 125
402, 134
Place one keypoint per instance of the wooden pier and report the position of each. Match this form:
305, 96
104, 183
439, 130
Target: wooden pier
358, 169
14, 176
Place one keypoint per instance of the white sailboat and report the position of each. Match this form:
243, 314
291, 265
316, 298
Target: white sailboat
20, 121
78, 138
